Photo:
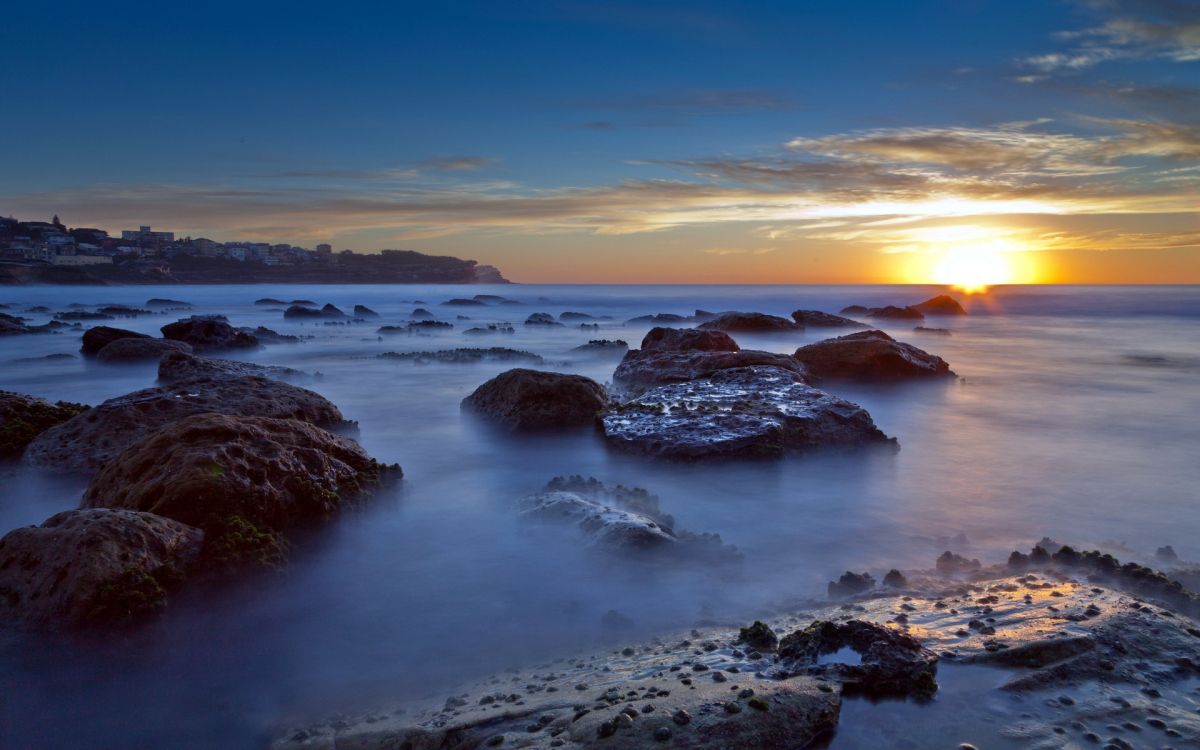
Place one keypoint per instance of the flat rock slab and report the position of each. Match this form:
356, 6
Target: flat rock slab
741, 412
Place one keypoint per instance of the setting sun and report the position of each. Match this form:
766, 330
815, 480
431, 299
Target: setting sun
973, 268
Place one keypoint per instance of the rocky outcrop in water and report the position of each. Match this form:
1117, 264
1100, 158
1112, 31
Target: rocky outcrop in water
892, 663
943, 304
465, 356
93, 567
622, 520
818, 319
531, 399
91, 439
209, 334
140, 349
541, 319
870, 355
602, 346
749, 322
181, 366
303, 312
740, 412
23, 418
243, 480
98, 337
362, 311
491, 328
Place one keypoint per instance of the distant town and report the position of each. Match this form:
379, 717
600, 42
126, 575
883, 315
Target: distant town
51, 252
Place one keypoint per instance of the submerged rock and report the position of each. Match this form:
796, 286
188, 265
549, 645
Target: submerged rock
620, 519
541, 319
306, 312
170, 303
267, 336
677, 355
91, 439
658, 318
739, 412
209, 334
23, 418
93, 567
530, 399
602, 346
465, 356
461, 302
934, 331
943, 304
870, 355
95, 339
748, 322
893, 663
179, 366
140, 349
891, 312
362, 311
489, 329
243, 480
818, 319
270, 301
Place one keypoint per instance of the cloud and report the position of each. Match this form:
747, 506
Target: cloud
1127, 30
455, 163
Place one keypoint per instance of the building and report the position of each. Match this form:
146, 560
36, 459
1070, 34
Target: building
143, 235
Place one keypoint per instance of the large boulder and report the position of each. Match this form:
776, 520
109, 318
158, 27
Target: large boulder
243, 480
23, 418
818, 319
141, 349
88, 441
523, 399
95, 339
943, 304
677, 355
93, 567
620, 519
892, 312
870, 355
209, 334
740, 412
748, 322
181, 365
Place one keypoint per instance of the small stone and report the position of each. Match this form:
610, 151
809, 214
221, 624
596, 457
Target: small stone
662, 734
718, 677
732, 708
495, 740
759, 704
681, 717
746, 693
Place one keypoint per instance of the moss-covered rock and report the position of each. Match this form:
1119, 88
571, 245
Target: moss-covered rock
23, 418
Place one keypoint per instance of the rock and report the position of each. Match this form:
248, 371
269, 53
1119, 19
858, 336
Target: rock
490, 329
465, 356
123, 311
1166, 554
581, 316
93, 567
739, 412
180, 366
307, 302
855, 310
421, 313
677, 355
849, 584
267, 336
23, 418
602, 346
243, 480
950, 563
818, 319
95, 339
209, 334
269, 301
621, 520
303, 311
891, 312
140, 349
758, 635
494, 299
895, 579
933, 331
464, 302
91, 439
541, 319
362, 311
893, 663
170, 303
530, 399
943, 304
743, 322
658, 318
870, 355
82, 315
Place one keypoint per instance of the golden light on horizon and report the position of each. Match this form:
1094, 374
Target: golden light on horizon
973, 269
970, 258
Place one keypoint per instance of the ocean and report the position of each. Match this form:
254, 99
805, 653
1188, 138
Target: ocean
1074, 417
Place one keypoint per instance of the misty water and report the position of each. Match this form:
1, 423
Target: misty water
1074, 417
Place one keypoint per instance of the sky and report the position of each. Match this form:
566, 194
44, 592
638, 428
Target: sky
586, 141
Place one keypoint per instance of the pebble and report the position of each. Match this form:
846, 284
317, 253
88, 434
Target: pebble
681, 717
732, 708
718, 677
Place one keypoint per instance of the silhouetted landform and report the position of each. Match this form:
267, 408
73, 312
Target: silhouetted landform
388, 267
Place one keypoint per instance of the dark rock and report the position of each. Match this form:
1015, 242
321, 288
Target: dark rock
180, 366
622, 520
418, 325
739, 412
758, 635
82, 315
743, 322
123, 311
530, 399
849, 584
893, 663
307, 302
304, 312
209, 334
932, 331
581, 316
464, 302
677, 355
95, 339
490, 329
870, 355
943, 304
269, 301
1166, 554
818, 319
267, 336
659, 318
950, 563
171, 303
362, 311
602, 346
855, 310
140, 349
421, 313
243, 480
93, 567
891, 312
688, 340
23, 418
494, 299
541, 319
88, 441
895, 579
465, 356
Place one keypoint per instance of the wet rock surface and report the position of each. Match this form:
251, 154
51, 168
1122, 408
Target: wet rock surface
749, 322
243, 480
818, 319
739, 412
602, 346
870, 355
465, 356
892, 663
621, 520
209, 334
93, 567
98, 337
23, 418
523, 399
86, 442
943, 304
140, 349
181, 366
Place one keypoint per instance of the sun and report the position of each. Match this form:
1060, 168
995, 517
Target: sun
973, 268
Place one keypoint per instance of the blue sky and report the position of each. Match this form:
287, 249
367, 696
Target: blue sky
538, 134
